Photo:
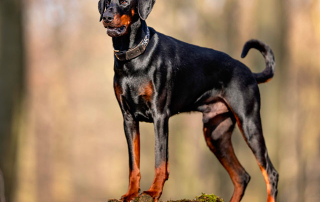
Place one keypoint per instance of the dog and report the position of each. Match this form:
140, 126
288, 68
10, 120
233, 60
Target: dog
157, 76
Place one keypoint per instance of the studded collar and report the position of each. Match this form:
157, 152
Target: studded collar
133, 52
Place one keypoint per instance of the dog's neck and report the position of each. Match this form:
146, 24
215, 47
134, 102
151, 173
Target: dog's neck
136, 33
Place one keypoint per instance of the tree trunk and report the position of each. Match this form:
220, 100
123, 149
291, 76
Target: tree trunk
11, 91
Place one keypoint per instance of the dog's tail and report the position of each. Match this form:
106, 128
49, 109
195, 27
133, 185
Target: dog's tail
267, 53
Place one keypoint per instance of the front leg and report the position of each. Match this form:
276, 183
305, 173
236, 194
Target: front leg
131, 128
161, 157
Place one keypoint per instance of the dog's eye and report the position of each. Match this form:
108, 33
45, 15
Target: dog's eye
107, 3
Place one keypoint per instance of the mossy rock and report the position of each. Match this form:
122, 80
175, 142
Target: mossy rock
202, 198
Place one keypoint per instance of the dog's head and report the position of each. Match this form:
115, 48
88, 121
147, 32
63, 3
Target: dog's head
118, 15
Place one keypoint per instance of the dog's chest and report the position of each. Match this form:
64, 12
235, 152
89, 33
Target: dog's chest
135, 95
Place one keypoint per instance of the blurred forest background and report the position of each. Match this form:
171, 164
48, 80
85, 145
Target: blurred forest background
61, 136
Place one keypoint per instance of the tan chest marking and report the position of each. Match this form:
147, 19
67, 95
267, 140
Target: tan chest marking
146, 91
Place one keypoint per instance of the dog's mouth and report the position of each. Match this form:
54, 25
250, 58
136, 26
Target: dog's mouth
116, 31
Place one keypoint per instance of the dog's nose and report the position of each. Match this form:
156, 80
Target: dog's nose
108, 17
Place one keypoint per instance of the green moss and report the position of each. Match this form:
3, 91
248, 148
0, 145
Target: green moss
208, 198
181, 200
202, 198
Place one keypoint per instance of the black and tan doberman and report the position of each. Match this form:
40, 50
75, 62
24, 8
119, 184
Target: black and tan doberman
157, 76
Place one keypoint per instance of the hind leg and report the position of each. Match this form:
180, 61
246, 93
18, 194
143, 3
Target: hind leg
252, 131
217, 132
247, 114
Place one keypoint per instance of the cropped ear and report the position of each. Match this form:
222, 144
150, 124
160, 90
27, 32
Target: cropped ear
101, 7
145, 7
